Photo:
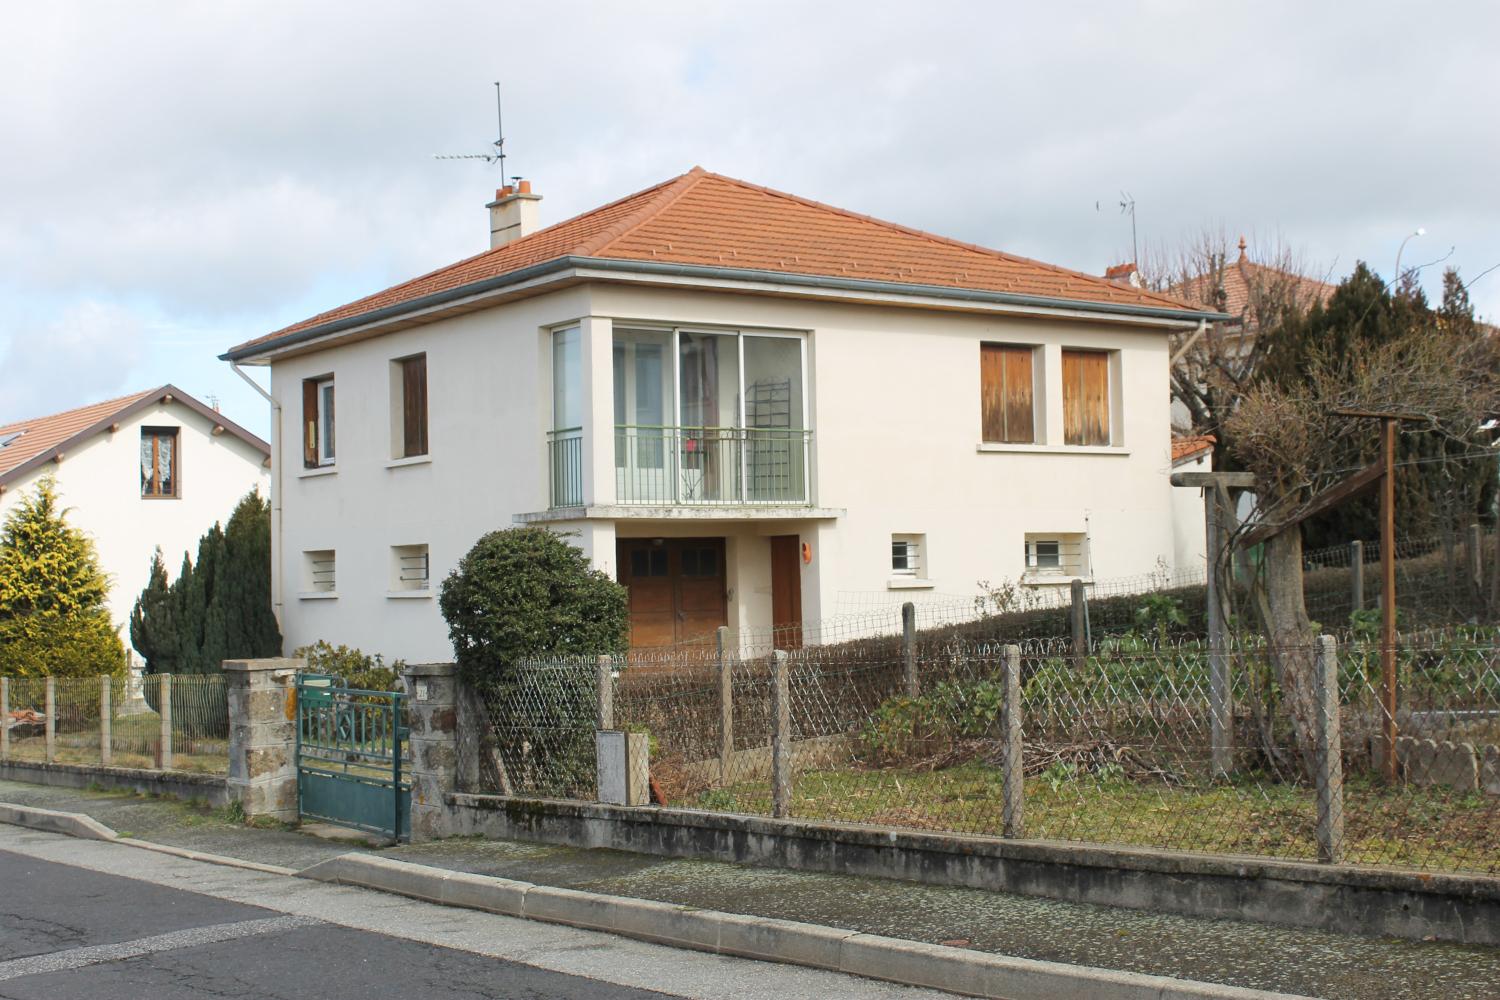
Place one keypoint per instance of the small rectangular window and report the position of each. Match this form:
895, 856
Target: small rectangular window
1056, 555
412, 400
411, 568
317, 422
1007, 389
159, 460
318, 571
1086, 402
906, 555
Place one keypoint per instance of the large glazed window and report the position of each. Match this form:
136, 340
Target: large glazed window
567, 380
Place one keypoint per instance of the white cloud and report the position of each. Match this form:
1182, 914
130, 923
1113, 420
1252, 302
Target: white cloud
85, 354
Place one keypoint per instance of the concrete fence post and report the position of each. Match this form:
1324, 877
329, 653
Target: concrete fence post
1474, 564
909, 649
1080, 618
1330, 764
726, 704
164, 706
4, 718
106, 721
432, 690
604, 710
781, 736
1357, 575
51, 726
262, 696
1012, 770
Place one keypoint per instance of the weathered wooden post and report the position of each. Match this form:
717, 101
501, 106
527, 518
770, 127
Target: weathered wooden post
164, 706
1080, 619
909, 649
726, 704
1012, 770
51, 726
1330, 764
781, 736
106, 743
1357, 575
604, 710
4, 718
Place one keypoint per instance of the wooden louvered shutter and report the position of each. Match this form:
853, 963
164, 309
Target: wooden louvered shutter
414, 404
310, 423
1006, 393
1085, 376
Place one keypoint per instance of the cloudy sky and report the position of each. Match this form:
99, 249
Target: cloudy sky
177, 178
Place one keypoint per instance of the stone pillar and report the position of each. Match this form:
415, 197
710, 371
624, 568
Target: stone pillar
432, 718
263, 736
1012, 770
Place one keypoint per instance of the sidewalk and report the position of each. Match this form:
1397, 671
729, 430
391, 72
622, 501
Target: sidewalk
1282, 959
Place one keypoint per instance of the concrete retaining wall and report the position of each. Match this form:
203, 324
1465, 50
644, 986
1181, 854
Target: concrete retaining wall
1339, 898
182, 784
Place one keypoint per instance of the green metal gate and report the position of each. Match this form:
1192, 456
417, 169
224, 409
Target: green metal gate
349, 756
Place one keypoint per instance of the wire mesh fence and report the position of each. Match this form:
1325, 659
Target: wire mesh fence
1240, 749
157, 721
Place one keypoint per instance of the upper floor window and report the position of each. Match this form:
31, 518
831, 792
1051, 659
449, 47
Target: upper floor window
317, 422
409, 406
1086, 400
159, 461
1007, 389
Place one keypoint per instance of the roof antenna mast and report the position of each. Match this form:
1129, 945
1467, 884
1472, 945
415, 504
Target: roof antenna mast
498, 156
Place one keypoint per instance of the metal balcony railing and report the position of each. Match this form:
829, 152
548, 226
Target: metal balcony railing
691, 466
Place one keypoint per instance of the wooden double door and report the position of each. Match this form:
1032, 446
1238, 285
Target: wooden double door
677, 588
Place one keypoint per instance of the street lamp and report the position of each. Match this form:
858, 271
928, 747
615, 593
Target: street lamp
1419, 231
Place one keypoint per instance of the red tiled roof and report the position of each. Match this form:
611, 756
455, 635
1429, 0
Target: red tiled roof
1239, 278
1190, 445
703, 218
43, 437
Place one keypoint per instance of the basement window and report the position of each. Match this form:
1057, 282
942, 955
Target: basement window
411, 569
1056, 556
318, 573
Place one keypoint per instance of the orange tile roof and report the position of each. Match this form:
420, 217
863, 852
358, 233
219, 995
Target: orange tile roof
1190, 445
703, 218
1239, 278
41, 438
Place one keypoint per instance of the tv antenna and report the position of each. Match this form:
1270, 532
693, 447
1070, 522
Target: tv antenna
498, 156
1127, 206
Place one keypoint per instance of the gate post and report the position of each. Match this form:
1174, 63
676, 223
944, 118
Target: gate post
263, 736
432, 715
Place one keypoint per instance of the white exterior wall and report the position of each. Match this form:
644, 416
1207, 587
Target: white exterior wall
1189, 530
99, 482
894, 403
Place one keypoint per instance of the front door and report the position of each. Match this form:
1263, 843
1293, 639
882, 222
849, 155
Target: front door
676, 588
786, 590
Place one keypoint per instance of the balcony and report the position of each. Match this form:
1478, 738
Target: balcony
662, 466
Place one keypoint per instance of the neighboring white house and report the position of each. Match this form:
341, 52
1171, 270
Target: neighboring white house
1190, 453
148, 470
740, 403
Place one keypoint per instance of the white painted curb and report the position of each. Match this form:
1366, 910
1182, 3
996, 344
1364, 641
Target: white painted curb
956, 970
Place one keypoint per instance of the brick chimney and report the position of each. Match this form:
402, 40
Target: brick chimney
1124, 274
513, 214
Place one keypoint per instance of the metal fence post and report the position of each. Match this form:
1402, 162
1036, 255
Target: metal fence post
51, 707
1080, 618
1012, 771
1330, 764
1357, 575
164, 706
4, 718
604, 715
726, 704
106, 743
909, 649
781, 736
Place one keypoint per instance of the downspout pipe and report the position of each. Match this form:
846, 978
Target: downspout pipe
1187, 345
278, 577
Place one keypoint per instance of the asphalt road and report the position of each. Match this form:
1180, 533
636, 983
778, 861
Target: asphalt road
169, 928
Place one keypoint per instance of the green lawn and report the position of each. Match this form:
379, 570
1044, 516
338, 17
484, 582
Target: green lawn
1405, 826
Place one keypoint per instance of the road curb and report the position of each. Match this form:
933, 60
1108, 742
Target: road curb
912, 963
87, 828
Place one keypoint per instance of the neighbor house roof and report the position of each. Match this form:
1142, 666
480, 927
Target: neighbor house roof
1240, 278
27, 444
702, 220
1186, 446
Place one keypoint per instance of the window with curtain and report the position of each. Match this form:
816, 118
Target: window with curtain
159, 456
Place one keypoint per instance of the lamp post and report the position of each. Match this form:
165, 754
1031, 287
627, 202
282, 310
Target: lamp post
1419, 231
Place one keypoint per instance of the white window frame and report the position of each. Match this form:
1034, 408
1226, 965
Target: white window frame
1067, 568
915, 557
403, 582
327, 421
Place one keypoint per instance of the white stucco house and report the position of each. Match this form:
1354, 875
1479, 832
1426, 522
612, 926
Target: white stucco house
740, 403
1190, 453
148, 470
